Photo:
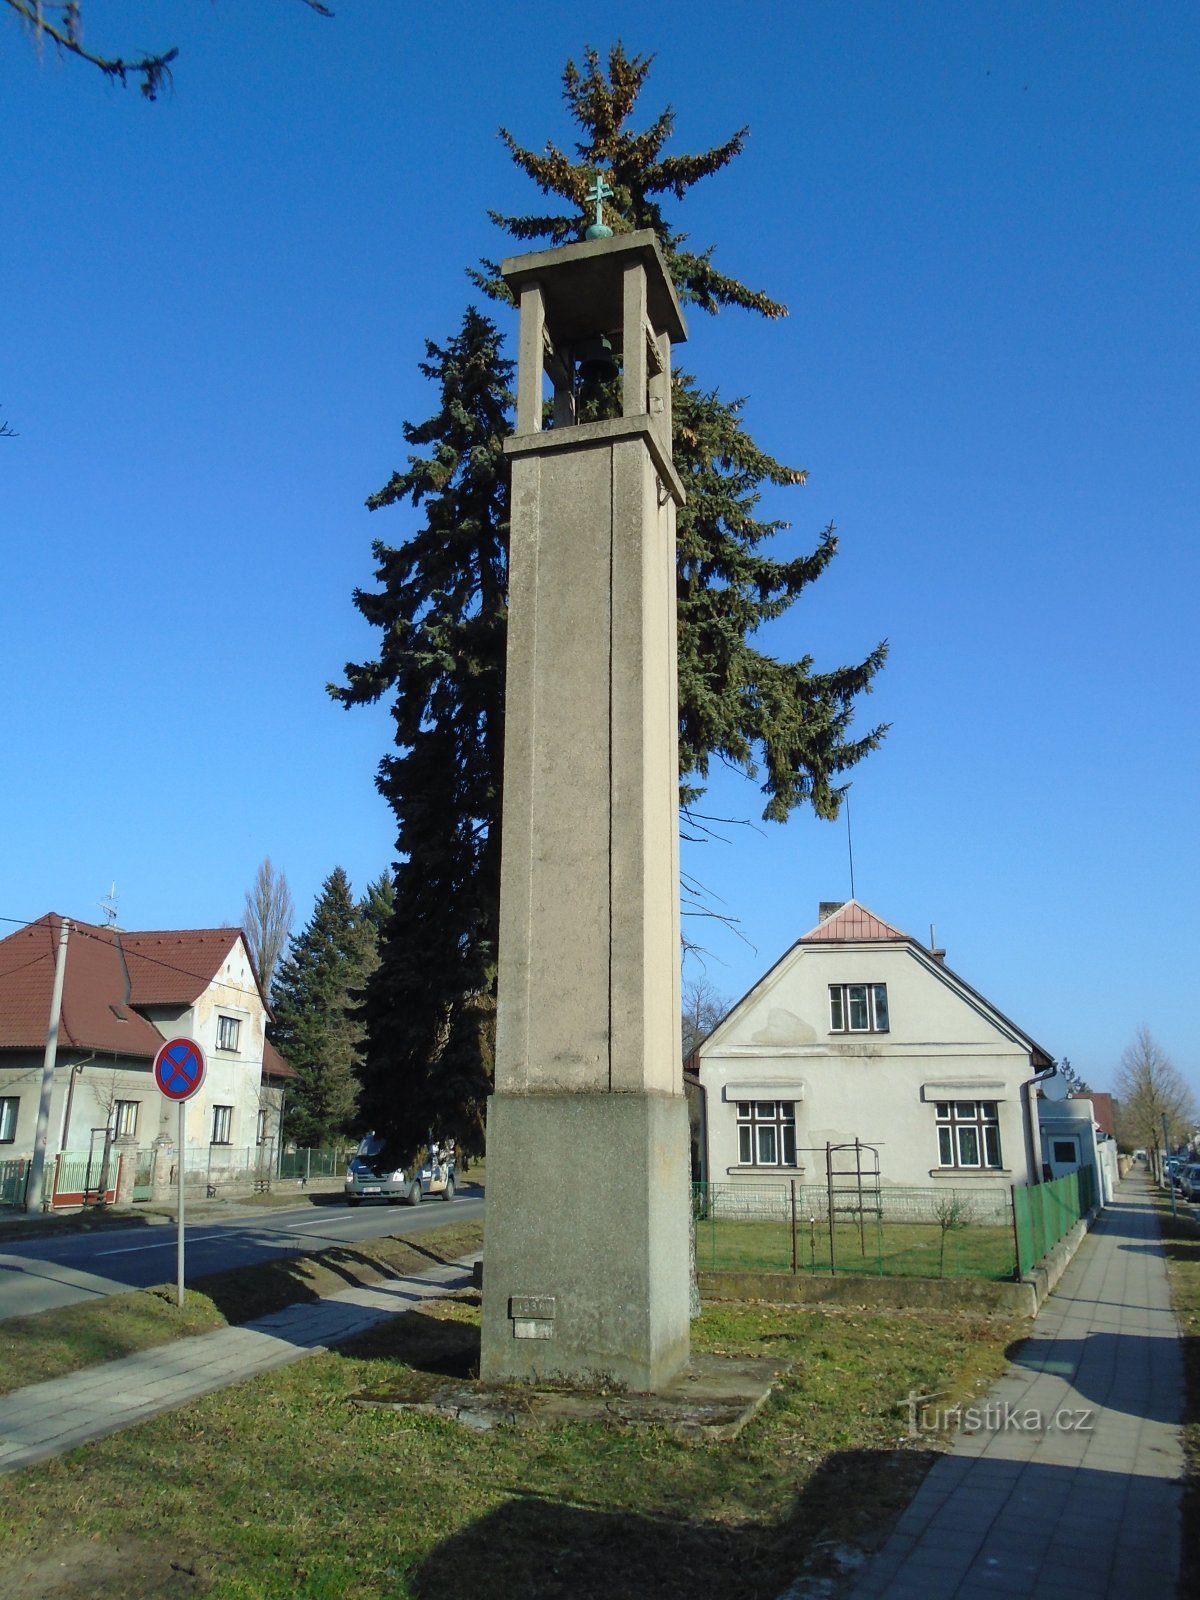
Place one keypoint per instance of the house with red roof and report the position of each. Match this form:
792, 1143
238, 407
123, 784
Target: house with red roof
123, 995
861, 1054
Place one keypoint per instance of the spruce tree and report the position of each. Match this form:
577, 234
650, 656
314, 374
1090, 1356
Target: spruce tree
317, 1027
441, 609
781, 722
441, 606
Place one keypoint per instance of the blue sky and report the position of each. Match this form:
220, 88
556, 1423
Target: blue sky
983, 218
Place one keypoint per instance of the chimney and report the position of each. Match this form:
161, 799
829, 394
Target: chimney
826, 909
938, 955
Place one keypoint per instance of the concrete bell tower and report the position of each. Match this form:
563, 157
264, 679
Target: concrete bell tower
586, 1250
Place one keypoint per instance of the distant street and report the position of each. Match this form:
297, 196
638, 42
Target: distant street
47, 1271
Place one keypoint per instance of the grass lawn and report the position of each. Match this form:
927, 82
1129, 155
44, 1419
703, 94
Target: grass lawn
1181, 1242
283, 1488
893, 1249
52, 1343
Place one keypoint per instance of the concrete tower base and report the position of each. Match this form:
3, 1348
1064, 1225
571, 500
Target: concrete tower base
586, 1247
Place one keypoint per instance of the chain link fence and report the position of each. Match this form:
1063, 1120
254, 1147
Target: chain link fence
895, 1231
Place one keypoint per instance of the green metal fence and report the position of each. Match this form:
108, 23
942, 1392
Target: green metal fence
1044, 1213
305, 1164
12, 1182
895, 1231
74, 1177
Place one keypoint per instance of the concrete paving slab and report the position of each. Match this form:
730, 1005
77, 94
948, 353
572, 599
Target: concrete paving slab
1073, 1487
47, 1419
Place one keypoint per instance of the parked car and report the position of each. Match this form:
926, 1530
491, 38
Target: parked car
375, 1174
1187, 1181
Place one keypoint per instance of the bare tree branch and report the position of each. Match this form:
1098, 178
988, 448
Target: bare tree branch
61, 21
1149, 1090
67, 34
268, 920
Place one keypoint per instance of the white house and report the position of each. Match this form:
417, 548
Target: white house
123, 995
1073, 1138
861, 1033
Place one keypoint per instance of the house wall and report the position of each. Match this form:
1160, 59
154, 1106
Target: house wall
233, 1078
1072, 1122
881, 1088
21, 1079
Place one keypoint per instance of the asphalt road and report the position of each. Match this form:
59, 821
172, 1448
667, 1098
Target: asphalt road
61, 1269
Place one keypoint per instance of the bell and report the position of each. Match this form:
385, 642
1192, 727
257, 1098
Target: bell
597, 362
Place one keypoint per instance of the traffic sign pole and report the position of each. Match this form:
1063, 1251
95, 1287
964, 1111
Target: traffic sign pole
179, 1069
179, 1146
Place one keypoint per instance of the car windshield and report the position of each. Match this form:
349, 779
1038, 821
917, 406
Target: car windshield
370, 1146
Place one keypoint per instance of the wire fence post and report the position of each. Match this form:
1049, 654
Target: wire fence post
792, 1182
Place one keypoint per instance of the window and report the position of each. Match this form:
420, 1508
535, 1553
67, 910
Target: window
261, 1136
228, 1029
9, 1106
968, 1133
766, 1133
858, 1008
222, 1124
1066, 1153
125, 1117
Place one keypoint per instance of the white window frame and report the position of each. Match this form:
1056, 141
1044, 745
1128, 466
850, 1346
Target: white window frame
125, 1115
10, 1115
222, 1125
766, 1133
859, 1008
261, 1136
226, 1024
968, 1132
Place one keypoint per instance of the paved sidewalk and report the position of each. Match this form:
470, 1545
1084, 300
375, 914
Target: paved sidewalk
47, 1419
1088, 1504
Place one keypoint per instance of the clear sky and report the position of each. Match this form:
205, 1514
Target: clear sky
984, 220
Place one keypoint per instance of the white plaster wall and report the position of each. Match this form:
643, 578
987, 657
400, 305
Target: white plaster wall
879, 1088
21, 1079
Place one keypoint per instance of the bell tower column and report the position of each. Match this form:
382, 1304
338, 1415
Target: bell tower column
586, 1252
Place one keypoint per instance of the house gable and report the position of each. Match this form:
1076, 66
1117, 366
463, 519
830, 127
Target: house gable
929, 1005
860, 1033
123, 994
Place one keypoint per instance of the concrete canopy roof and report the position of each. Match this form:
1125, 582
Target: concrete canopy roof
582, 285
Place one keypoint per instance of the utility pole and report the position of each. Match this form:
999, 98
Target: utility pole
1167, 1173
33, 1189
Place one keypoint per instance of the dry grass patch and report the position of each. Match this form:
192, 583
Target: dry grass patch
53, 1343
284, 1490
1181, 1244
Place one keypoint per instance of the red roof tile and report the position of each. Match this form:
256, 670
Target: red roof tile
852, 923
1103, 1110
96, 1014
108, 974
173, 968
274, 1066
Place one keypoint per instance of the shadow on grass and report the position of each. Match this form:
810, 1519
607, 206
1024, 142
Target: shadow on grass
244, 1293
431, 1346
540, 1548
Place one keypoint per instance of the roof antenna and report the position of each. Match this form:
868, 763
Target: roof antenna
849, 842
109, 907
